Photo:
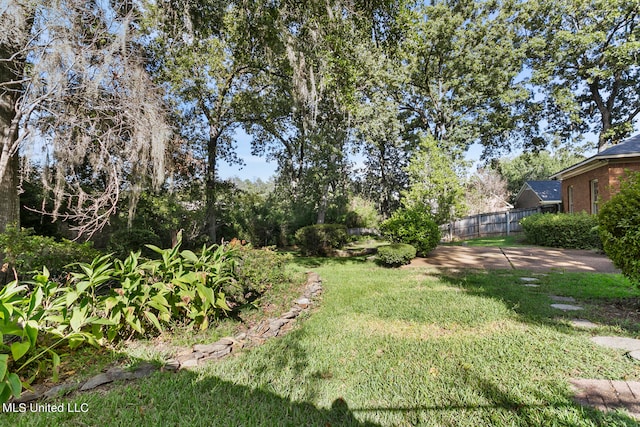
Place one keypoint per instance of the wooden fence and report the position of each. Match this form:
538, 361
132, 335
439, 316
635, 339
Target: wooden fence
486, 224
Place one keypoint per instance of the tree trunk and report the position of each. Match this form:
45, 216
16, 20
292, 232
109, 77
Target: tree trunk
210, 184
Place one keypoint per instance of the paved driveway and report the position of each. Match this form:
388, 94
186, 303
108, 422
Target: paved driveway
533, 258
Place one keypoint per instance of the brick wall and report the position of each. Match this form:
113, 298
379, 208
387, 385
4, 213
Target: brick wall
608, 177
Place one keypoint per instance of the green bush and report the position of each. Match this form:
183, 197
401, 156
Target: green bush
575, 231
413, 226
396, 254
619, 227
256, 271
124, 241
27, 252
321, 239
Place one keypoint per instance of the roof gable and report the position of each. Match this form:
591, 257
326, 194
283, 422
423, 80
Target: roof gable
547, 191
628, 148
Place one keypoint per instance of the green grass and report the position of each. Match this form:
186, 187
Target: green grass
392, 347
501, 241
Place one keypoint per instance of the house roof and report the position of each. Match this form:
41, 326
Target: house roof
628, 148
547, 191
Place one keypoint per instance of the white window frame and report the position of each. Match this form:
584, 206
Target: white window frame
594, 190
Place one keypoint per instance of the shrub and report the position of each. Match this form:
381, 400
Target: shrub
28, 252
575, 231
256, 271
124, 241
413, 226
619, 227
321, 239
396, 254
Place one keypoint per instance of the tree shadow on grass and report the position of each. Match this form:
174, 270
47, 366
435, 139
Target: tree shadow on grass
314, 262
532, 304
553, 409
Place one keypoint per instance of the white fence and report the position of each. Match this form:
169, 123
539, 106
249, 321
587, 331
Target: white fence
486, 224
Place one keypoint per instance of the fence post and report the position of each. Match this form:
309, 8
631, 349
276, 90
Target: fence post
508, 222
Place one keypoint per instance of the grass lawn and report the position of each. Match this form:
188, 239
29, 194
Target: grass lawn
502, 241
395, 347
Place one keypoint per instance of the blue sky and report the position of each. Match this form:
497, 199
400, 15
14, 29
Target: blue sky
257, 167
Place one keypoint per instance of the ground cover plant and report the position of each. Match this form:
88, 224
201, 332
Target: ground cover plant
397, 347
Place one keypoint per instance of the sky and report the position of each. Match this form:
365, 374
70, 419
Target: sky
257, 167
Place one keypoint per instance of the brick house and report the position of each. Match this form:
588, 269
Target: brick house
593, 181
540, 194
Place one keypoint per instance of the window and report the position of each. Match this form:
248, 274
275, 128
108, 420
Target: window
594, 196
570, 201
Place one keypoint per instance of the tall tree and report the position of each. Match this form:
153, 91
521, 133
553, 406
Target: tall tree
585, 58
207, 53
73, 80
462, 60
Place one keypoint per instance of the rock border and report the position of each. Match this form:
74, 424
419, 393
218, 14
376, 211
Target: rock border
197, 354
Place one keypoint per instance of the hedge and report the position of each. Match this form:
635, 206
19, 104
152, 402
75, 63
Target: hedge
574, 231
396, 254
321, 239
414, 227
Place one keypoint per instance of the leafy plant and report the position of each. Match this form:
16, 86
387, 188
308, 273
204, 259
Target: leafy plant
321, 239
256, 270
396, 254
27, 252
412, 226
577, 231
619, 227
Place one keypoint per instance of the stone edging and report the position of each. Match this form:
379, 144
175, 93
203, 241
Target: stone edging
198, 354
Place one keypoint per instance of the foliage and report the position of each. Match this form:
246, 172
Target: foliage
619, 226
533, 166
321, 239
584, 58
123, 241
413, 226
486, 191
577, 231
434, 183
396, 254
35, 318
362, 213
27, 252
256, 271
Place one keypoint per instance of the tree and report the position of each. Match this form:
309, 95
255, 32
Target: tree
584, 58
486, 191
203, 62
462, 60
533, 166
73, 80
434, 183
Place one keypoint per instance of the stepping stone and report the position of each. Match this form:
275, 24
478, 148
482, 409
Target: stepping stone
531, 285
528, 279
557, 298
623, 343
634, 354
583, 323
607, 395
566, 307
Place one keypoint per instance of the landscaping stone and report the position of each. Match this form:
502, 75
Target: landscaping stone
583, 323
562, 299
529, 279
96, 381
622, 343
60, 390
531, 285
172, 365
209, 348
567, 307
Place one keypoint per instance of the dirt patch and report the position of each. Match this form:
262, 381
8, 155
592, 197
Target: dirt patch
624, 312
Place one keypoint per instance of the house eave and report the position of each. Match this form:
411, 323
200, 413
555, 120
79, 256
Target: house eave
580, 168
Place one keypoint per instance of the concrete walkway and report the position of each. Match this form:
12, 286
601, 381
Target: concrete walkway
532, 258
